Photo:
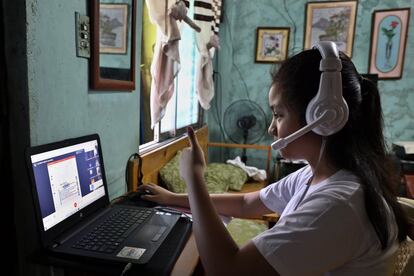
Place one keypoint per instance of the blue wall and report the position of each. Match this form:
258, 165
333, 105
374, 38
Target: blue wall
242, 78
61, 105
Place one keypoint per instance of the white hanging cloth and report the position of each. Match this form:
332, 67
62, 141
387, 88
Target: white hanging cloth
207, 15
166, 60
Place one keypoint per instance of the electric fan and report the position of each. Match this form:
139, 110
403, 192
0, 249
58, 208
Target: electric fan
244, 122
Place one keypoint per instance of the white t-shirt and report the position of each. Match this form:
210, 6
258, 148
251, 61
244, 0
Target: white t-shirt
329, 233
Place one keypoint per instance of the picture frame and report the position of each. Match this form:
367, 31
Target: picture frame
389, 31
333, 21
271, 44
113, 28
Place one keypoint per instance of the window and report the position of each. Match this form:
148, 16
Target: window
183, 109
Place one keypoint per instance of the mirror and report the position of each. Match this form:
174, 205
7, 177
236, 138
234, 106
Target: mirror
112, 65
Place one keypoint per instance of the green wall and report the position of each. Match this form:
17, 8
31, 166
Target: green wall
242, 78
61, 105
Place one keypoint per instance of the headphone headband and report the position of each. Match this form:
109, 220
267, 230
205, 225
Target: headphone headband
327, 49
330, 56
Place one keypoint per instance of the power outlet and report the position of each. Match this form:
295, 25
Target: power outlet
83, 42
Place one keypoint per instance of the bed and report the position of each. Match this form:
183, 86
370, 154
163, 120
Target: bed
146, 168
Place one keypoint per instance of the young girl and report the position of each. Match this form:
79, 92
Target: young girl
338, 214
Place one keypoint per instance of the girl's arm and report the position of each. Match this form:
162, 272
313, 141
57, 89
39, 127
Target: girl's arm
218, 252
246, 205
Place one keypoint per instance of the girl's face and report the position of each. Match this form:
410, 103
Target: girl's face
284, 122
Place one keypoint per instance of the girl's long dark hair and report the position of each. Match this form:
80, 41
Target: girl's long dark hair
359, 147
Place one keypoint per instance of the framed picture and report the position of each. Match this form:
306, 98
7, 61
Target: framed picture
388, 39
113, 28
271, 44
333, 21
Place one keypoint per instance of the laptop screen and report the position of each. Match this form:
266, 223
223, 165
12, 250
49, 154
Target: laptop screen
67, 180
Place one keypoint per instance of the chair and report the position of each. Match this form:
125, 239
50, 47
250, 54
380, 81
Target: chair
404, 264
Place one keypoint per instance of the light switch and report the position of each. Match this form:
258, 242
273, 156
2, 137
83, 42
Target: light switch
84, 27
82, 36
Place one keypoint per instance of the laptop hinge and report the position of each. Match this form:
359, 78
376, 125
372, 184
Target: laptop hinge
65, 237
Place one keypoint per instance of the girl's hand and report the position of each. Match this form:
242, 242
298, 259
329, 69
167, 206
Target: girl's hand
192, 160
158, 194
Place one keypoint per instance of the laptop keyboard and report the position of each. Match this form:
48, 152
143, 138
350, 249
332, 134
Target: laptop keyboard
106, 237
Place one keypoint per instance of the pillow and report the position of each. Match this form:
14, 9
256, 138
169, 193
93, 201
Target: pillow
170, 175
243, 230
219, 177
233, 175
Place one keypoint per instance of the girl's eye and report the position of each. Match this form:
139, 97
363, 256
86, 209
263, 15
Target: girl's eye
277, 115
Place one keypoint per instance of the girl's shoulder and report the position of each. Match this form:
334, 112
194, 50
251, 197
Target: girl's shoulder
343, 186
300, 175
297, 178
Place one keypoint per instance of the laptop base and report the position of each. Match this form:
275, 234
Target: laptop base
161, 263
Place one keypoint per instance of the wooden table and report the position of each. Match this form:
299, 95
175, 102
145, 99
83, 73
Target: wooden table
187, 262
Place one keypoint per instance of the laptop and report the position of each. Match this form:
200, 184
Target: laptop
74, 215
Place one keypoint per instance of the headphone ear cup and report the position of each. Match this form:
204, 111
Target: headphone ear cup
337, 113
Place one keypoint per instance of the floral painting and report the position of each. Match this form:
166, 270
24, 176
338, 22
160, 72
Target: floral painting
388, 39
271, 44
333, 21
386, 58
113, 27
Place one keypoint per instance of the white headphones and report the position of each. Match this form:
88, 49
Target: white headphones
327, 112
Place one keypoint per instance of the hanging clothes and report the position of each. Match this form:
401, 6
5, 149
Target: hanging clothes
166, 15
166, 60
207, 15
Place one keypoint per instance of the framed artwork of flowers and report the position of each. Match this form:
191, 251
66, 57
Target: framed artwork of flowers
331, 20
271, 44
113, 28
388, 39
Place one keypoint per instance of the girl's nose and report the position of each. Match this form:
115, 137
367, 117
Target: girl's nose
272, 130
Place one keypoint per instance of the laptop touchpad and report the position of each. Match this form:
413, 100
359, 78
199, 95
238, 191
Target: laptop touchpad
151, 232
